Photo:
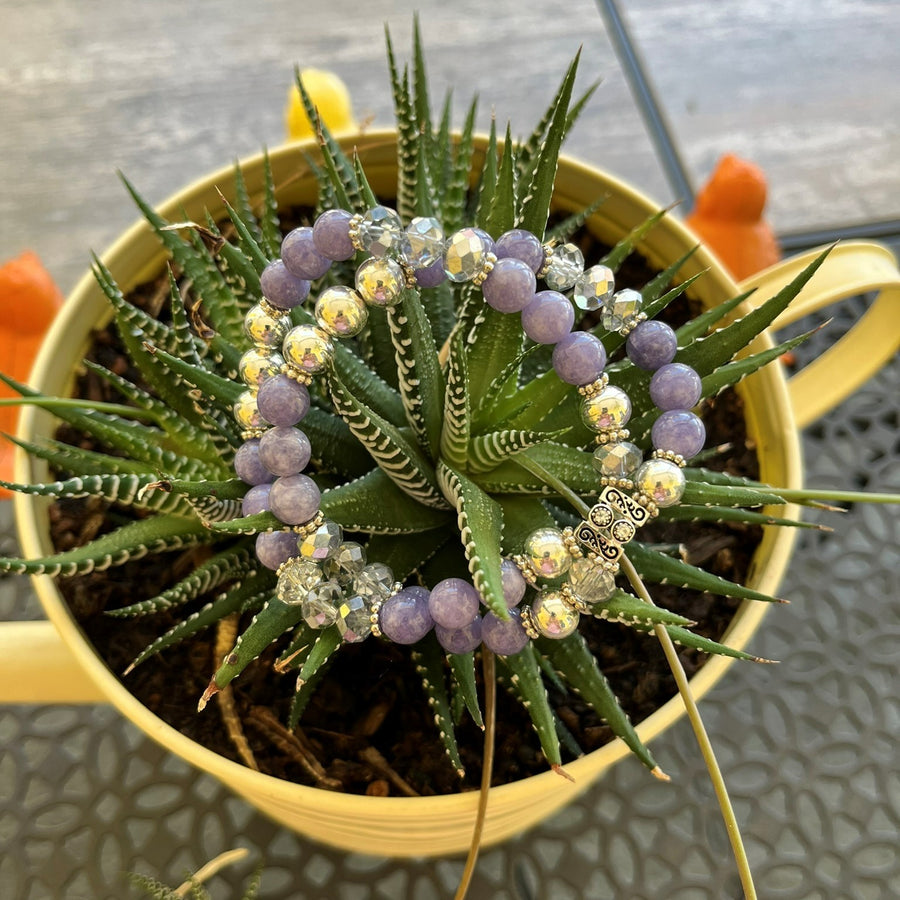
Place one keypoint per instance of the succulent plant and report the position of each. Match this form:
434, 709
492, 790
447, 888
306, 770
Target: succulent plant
441, 439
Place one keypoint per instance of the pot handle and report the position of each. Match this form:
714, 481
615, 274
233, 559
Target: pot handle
851, 269
36, 666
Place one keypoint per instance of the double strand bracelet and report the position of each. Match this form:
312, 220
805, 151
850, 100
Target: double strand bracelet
330, 578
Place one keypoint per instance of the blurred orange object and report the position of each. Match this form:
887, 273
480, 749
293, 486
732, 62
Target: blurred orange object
29, 299
728, 218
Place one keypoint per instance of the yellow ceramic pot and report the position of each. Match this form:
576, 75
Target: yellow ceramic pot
53, 662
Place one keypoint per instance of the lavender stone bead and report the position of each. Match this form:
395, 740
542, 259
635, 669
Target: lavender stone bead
331, 234
284, 400
548, 318
680, 431
276, 548
431, 276
510, 286
453, 603
504, 638
405, 618
579, 358
489, 243
294, 499
675, 386
300, 257
281, 288
523, 245
248, 466
652, 344
256, 500
514, 583
284, 451
460, 640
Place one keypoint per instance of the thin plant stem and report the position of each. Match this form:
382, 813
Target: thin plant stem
487, 769
213, 867
681, 680
798, 495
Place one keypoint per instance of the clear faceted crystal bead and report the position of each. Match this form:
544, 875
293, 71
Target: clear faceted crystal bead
265, 330
617, 460
353, 619
620, 310
374, 582
426, 241
320, 608
346, 564
591, 583
323, 543
566, 265
381, 232
465, 255
297, 578
594, 287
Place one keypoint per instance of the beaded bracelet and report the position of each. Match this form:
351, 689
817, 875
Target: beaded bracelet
329, 577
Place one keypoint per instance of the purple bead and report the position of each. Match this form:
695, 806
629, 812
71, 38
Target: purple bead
680, 431
294, 499
281, 288
652, 344
276, 547
460, 640
514, 583
405, 618
675, 386
453, 603
248, 466
523, 245
331, 234
300, 257
548, 318
256, 500
489, 243
431, 276
285, 401
579, 358
504, 638
284, 451
510, 286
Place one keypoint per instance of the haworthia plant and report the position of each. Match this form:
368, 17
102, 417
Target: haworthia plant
429, 446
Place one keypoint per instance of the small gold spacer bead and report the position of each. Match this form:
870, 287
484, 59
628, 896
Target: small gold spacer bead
353, 231
409, 275
270, 310
486, 267
527, 619
572, 599
307, 528
374, 614
595, 387
625, 330
251, 433
612, 436
525, 569
671, 456
548, 257
296, 374
571, 542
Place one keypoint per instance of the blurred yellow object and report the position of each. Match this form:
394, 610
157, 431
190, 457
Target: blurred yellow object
330, 97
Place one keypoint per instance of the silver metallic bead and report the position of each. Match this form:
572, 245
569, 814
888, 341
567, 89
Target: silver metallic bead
264, 329
308, 349
341, 312
611, 408
661, 480
259, 364
380, 282
246, 412
552, 615
547, 552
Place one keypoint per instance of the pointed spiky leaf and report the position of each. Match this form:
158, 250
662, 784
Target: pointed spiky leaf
627, 609
428, 659
462, 684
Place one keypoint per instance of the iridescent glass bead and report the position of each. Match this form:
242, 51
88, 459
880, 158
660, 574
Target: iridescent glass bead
374, 582
341, 312
323, 543
308, 349
297, 579
346, 564
594, 287
465, 255
381, 232
565, 268
426, 241
380, 281
547, 553
661, 480
552, 615
354, 619
320, 606
617, 460
591, 583
620, 310
611, 408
